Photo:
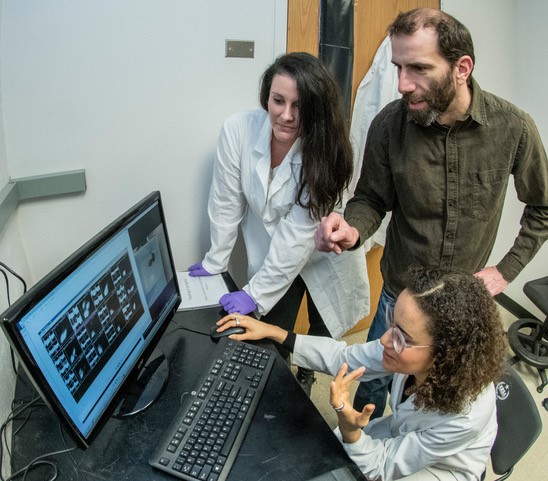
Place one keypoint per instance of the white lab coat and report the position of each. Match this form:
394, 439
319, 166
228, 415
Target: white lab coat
407, 440
376, 90
278, 233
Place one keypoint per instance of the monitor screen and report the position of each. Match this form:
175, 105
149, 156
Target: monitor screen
84, 329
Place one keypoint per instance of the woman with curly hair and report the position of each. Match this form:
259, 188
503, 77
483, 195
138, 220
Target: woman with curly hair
446, 347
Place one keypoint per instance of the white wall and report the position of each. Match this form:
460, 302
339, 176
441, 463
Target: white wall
511, 46
134, 92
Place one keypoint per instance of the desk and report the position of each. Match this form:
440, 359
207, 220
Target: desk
288, 439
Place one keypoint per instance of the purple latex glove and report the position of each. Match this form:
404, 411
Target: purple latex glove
238, 301
197, 270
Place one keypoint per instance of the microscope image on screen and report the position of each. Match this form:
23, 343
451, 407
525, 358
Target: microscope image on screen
151, 263
86, 335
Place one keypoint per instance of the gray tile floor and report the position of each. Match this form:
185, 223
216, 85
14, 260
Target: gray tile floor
532, 467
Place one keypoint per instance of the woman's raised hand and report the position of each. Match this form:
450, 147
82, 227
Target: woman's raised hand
351, 421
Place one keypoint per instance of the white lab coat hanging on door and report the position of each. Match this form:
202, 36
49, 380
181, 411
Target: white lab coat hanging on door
377, 89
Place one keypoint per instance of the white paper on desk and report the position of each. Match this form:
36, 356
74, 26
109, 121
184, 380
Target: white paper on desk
197, 292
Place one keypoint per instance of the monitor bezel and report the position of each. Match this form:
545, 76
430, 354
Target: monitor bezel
26, 302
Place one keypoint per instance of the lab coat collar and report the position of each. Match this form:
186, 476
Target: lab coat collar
262, 146
286, 168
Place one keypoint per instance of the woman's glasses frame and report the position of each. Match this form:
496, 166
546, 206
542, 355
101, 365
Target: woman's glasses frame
398, 339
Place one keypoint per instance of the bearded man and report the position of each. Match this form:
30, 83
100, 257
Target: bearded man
440, 159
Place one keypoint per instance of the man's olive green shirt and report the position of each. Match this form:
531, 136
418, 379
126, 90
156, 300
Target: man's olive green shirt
446, 187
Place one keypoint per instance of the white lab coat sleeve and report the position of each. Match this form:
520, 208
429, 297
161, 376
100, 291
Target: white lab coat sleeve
290, 249
411, 451
227, 203
327, 355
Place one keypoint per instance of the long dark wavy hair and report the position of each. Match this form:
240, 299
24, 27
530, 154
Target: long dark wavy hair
325, 146
454, 39
469, 343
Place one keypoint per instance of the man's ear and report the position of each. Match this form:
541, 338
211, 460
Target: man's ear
464, 67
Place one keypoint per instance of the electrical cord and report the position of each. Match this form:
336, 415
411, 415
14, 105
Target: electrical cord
7, 285
74, 463
180, 326
184, 328
3, 429
12, 272
5, 432
39, 460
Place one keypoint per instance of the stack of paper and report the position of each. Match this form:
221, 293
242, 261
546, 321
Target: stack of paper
198, 292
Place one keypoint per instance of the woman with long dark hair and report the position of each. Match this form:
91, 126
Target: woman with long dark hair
279, 169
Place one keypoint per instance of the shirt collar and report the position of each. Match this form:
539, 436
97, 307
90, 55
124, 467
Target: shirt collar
477, 108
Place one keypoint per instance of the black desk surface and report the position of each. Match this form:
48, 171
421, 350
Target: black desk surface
288, 439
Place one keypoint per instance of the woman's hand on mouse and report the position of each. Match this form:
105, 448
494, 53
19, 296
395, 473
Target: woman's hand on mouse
254, 329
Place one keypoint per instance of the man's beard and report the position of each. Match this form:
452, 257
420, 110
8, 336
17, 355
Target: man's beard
439, 97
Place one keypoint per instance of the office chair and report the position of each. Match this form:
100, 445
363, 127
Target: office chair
528, 338
519, 424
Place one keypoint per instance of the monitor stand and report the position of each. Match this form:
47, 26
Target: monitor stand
146, 388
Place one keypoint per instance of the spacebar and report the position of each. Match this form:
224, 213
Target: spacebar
231, 437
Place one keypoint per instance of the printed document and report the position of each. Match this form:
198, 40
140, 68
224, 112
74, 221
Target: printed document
198, 292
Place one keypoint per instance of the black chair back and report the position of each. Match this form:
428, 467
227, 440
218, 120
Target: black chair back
519, 423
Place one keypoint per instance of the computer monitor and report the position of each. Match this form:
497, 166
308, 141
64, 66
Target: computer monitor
84, 332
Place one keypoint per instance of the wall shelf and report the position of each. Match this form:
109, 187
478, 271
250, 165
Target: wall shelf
17, 190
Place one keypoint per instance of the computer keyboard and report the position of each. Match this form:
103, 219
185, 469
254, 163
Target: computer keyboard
204, 438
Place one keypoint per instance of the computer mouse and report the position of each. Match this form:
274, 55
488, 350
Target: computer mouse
231, 330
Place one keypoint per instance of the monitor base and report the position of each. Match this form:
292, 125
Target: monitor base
146, 389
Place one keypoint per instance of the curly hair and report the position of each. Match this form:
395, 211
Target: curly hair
468, 338
327, 163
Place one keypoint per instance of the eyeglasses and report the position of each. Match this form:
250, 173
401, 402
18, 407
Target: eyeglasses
398, 339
